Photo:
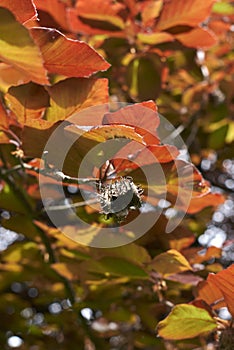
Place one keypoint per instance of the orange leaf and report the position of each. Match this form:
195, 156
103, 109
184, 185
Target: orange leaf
198, 37
150, 11
75, 94
198, 255
210, 294
184, 182
224, 281
65, 56
180, 12
204, 201
9, 76
27, 101
101, 10
3, 117
24, 11
56, 9
106, 132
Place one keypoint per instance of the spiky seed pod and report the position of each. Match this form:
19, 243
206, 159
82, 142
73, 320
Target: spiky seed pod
118, 196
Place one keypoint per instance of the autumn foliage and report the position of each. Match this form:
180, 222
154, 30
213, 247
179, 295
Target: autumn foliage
97, 73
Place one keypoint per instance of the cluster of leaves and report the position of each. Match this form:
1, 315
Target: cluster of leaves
55, 292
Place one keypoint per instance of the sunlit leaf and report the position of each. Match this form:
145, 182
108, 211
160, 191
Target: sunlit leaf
155, 38
223, 8
142, 116
198, 37
169, 263
68, 270
184, 322
27, 101
22, 54
101, 10
150, 11
75, 59
22, 253
106, 132
180, 12
72, 95
10, 76
24, 11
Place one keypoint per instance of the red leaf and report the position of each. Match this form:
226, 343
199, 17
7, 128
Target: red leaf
204, 201
24, 11
180, 12
56, 9
135, 155
198, 37
65, 56
184, 182
77, 26
101, 10
143, 116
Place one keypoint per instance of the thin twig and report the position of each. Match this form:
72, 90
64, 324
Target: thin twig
73, 205
52, 173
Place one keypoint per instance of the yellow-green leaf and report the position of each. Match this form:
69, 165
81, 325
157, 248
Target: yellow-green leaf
184, 322
170, 263
18, 49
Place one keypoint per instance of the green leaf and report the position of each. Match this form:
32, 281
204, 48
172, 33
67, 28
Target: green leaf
184, 322
217, 137
114, 267
131, 252
144, 78
10, 201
